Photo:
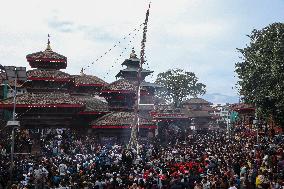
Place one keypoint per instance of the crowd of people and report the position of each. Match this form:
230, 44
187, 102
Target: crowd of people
209, 159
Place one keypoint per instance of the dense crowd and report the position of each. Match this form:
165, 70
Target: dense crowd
210, 159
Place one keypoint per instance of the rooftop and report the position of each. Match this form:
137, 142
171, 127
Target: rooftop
121, 85
43, 74
43, 100
242, 106
93, 104
119, 119
47, 59
88, 80
196, 101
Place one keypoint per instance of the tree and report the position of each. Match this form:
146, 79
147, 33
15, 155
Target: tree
179, 84
261, 71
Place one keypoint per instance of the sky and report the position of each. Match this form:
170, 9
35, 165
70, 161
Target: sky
200, 36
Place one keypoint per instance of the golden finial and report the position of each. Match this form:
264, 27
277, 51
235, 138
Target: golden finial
48, 48
132, 54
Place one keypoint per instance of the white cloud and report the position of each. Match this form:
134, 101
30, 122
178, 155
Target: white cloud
203, 31
197, 35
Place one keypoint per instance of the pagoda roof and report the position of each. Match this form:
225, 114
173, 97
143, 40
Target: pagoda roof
48, 75
132, 69
121, 85
47, 59
242, 107
130, 61
50, 100
168, 112
88, 80
46, 55
93, 104
196, 101
121, 120
127, 86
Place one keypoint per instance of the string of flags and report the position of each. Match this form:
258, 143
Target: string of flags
117, 44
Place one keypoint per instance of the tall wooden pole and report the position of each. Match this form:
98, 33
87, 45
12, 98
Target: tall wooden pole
133, 142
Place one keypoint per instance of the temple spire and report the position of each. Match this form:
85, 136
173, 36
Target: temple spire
132, 54
48, 48
82, 72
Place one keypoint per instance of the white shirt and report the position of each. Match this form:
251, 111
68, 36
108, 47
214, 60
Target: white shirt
38, 173
62, 169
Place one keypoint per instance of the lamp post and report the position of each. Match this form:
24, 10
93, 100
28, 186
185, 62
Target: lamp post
228, 128
192, 124
255, 123
14, 74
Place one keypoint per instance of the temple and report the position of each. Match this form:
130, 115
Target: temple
53, 98
121, 97
201, 114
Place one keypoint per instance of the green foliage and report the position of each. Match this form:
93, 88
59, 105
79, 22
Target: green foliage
261, 71
178, 84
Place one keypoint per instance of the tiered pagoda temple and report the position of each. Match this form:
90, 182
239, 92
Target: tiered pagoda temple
170, 121
55, 98
121, 96
200, 112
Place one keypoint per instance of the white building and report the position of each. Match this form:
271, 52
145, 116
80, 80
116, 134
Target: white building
223, 112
